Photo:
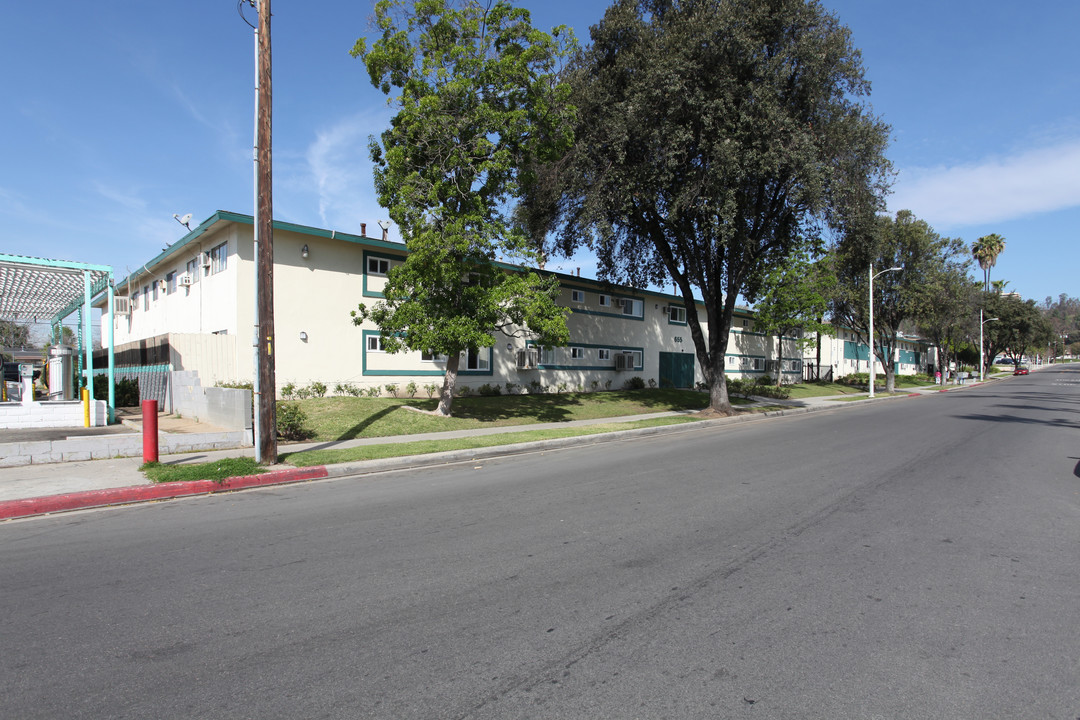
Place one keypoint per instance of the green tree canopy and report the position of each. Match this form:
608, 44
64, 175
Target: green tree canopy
13, 335
903, 242
795, 299
713, 140
477, 102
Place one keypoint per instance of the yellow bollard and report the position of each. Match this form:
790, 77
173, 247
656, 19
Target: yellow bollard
86, 406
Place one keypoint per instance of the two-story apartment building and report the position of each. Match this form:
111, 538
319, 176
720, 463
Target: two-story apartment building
193, 306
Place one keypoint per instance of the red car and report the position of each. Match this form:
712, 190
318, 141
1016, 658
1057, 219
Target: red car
1020, 370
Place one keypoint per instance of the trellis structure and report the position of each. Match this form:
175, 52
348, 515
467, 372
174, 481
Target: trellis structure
36, 288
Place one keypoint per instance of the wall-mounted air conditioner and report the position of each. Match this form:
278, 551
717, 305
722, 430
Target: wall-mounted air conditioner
527, 359
121, 305
185, 279
624, 361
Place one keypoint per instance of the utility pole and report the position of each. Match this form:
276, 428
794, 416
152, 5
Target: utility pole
264, 263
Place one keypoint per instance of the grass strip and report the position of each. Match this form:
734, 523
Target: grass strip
423, 447
218, 470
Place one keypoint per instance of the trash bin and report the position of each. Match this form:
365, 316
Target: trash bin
60, 381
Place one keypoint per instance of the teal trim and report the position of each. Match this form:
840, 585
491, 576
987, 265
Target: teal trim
858, 352
640, 318
127, 369
592, 346
425, 373
384, 256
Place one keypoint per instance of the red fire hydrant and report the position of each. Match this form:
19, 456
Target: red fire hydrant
149, 431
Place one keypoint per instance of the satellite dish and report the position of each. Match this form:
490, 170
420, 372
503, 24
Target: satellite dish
384, 224
183, 220
186, 218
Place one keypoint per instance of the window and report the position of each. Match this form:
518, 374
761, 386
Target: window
378, 266
219, 257
154, 288
677, 315
375, 343
170, 283
637, 358
744, 323
477, 359
605, 301
603, 354
134, 300
577, 296
193, 270
429, 356
146, 297
577, 353
547, 355
636, 308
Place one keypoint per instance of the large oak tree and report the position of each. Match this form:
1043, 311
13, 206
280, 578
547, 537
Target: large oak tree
715, 138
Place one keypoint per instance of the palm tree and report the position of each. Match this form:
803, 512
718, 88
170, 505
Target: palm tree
985, 250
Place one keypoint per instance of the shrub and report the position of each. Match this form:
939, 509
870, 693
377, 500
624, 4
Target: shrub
511, 388
288, 390
535, 388
392, 389
318, 389
464, 390
373, 391
634, 383
561, 388
346, 389
486, 390
431, 389
607, 384
410, 388
652, 384
126, 390
292, 422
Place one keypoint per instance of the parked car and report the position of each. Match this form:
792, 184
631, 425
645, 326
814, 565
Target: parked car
1020, 370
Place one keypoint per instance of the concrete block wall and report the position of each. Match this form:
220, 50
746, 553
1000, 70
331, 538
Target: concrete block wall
62, 414
227, 408
99, 447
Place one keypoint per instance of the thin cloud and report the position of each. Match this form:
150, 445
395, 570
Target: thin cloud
338, 162
995, 190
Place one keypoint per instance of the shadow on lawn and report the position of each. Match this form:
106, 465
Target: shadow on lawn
559, 407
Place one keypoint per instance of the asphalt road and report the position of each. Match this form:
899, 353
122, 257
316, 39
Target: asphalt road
913, 558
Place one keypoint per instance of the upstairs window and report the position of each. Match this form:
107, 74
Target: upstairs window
219, 258
605, 301
375, 343
577, 296
378, 266
170, 283
677, 315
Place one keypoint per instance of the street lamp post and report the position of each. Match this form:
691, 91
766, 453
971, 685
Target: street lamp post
982, 361
871, 348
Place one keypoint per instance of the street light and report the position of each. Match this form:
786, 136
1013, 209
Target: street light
871, 353
982, 362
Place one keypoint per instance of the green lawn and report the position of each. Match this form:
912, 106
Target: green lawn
346, 418
388, 450
217, 470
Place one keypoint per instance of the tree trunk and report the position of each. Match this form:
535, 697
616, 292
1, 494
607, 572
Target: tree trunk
779, 357
719, 401
446, 396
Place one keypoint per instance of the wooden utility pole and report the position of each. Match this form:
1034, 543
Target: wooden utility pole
264, 263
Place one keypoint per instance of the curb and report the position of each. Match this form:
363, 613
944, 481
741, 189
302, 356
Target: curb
29, 507
12, 509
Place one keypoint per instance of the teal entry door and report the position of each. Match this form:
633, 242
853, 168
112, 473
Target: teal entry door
676, 370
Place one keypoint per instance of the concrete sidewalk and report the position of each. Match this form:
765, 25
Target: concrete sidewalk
37, 489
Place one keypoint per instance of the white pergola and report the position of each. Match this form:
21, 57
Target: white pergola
36, 288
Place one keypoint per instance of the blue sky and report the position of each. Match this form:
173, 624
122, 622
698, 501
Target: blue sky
116, 115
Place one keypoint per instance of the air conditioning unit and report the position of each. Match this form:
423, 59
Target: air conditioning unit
527, 359
185, 279
204, 260
624, 361
121, 305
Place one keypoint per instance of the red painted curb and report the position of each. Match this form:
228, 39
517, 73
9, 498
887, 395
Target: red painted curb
11, 509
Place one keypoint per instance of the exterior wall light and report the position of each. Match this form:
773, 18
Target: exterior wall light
303, 336
304, 252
